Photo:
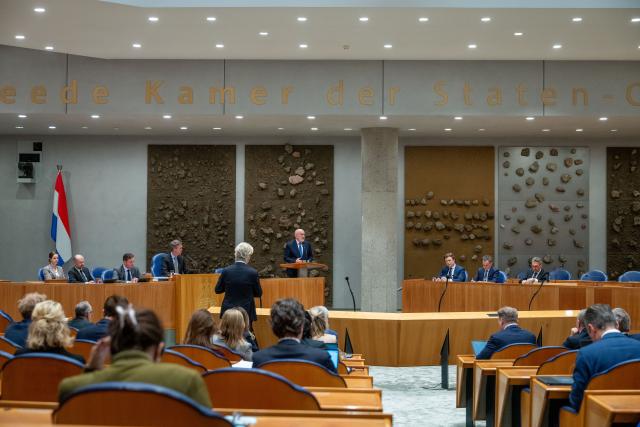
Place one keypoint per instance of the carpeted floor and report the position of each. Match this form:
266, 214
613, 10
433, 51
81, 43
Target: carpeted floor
414, 397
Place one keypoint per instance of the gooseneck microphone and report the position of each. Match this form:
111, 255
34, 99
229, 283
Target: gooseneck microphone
353, 298
444, 291
544, 279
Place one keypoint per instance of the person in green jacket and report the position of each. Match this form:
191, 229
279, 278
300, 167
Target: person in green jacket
135, 346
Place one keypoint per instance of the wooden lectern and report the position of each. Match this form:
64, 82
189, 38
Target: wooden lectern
303, 267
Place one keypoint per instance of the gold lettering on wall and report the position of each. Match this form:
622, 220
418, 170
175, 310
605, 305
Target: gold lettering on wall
574, 96
438, 88
548, 96
151, 91
39, 94
284, 94
258, 94
100, 94
69, 93
364, 96
393, 91
335, 94
495, 97
521, 89
466, 94
8, 94
185, 96
635, 101
225, 92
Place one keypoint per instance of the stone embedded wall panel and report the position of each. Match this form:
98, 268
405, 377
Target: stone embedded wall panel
191, 197
623, 210
544, 208
289, 187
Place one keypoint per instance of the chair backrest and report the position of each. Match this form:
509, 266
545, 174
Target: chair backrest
256, 389
522, 275
35, 376
156, 264
82, 347
229, 354
304, 373
134, 404
41, 273
73, 331
109, 274
5, 320
97, 271
538, 356
171, 356
204, 356
465, 276
630, 276
4, 358
595, 276
8, 346
562, 364
560, 274
513, 351
623, 376
502, 277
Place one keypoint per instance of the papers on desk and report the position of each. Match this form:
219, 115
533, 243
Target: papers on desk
555, 380
243, 364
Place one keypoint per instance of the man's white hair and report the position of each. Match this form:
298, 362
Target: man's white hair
243, 252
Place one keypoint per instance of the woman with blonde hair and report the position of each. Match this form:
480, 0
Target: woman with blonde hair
201, 329
318, 330
231, 334
48, 332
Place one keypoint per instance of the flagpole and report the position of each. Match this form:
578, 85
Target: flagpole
59, 167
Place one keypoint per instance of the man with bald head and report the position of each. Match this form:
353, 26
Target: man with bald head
297, 250
79, 273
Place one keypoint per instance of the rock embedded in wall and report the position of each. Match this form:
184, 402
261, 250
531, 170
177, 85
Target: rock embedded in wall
191, 197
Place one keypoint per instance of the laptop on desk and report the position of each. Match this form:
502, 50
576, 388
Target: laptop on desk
478, 346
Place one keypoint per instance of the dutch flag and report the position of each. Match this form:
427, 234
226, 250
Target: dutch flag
60, 229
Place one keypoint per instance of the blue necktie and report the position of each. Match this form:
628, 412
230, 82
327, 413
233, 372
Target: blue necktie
128, 276
300, 249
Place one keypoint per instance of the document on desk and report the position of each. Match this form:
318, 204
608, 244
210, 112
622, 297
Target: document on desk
243, 364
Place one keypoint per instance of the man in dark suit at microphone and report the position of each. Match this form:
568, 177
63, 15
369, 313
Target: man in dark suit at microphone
297, 250
536, 273
451, 270
487, 273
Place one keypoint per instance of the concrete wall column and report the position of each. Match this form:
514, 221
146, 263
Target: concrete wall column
379, 219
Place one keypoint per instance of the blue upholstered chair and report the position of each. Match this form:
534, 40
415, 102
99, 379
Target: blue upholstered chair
502, 277
41, 273
156, 264
97, 272
630, 276
560, 274
522, 275
109, 275
595, 276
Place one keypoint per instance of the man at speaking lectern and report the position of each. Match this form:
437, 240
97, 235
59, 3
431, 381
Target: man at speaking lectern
297, 250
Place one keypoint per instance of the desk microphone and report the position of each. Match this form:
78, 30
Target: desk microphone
544, 279
353, 298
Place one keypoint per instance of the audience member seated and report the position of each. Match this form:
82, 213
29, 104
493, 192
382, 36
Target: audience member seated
321, 310
287, 322
48, 332
319, 330
248, 334
53, 270
17, 332
100, 329
79, 273
173, 262
510, 333
83, 316
451, 271
307, 336
201, 329
536, 273
609, 348
232, 334
135, 344
623, 321
579, 335
487, 273
128, 272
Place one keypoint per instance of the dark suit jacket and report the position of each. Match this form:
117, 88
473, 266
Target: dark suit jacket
75, 277
542, 275
459, 273
135, 272
493, 276
17, 332
510, 335
612, 349
292, 253
61, 351
292, 349
79, 323
240, 284
167, 266
94, 332
577, 341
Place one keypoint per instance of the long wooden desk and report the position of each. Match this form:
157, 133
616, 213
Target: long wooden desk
419, 295
484, 390
602, 410
545, 401
509, 383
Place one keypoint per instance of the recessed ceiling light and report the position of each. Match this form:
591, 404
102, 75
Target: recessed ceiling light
412, 129
116, 128
481, 130
448, 129
48, 48
137, 45
557, 46
263, 33
518, 33
613, 130
546, 130
457, 118
311, 117
219, 45
39, 10
19, 37
153, 19
166, 116
577, 19
472, 46
383, 117
485, 19
423, 19
95, 116
19, 127
388, 46
280, 128
22, 116
303, 46
530, 118
217, 128
84, 127
603, 119
635, 19
183, 128
314, 129
363, 19
52, 127
211, 18
579, 130
348, 129
147, 128
239, 117
302, 19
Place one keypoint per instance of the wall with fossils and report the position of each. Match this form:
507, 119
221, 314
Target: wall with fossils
544, 208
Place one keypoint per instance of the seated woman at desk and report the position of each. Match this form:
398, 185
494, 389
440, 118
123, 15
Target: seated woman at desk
53, 270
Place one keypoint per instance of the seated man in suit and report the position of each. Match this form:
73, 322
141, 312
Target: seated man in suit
17, 332
110, 312
623, 321
487, 273
536, 273
297, 250
510, 333
79, 273
579, 335
83, 316
173, 262
451, 271
287, 323
609, 348
128, 272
